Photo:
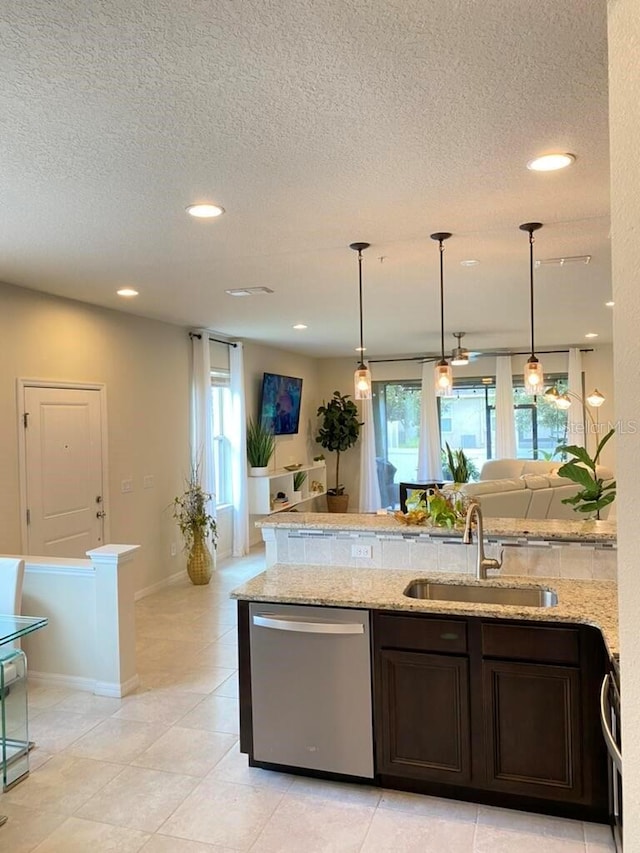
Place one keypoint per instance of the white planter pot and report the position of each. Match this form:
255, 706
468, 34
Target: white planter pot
259, 472
296, 497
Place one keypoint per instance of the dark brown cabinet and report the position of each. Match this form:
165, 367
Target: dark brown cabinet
425, 716
492, 711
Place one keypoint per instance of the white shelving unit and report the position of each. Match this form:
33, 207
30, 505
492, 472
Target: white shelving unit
263, 490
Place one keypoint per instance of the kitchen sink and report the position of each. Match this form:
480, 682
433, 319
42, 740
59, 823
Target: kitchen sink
523, 596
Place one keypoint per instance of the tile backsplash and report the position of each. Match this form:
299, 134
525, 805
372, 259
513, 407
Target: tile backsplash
422, 553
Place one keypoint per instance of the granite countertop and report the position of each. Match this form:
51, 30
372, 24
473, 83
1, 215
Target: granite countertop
585, 602
559, 530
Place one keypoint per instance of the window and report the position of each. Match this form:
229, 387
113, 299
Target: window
467, 421
221, 403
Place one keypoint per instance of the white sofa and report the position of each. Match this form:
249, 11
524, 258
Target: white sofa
526, 488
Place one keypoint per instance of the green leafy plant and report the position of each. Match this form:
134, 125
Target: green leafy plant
441, 509
594, 495
261, 443
190, 511
457, 466
298, 480
339, 430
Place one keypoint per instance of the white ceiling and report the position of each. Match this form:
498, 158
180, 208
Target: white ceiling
315, 123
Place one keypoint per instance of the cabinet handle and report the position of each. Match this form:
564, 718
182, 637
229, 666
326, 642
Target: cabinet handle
282, 623
612, 746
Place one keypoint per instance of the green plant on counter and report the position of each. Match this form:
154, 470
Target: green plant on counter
594, 495
261, 443
441, 509
298, 480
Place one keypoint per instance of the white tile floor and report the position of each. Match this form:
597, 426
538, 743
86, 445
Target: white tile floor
160, 771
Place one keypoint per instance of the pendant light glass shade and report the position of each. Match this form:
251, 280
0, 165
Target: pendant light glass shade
443, 375
362, 376
563, 402
362, 383
533, 374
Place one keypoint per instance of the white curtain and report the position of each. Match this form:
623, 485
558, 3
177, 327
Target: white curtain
505, 420
575, 414
238, 437
202, 458
370, 500
429, 450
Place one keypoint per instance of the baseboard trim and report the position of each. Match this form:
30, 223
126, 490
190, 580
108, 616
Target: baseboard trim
158, 585
87, 685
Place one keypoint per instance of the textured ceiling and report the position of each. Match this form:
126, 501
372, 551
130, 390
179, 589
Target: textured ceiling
315, 123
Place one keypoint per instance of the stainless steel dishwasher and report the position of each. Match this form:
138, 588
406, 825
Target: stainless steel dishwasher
311, 688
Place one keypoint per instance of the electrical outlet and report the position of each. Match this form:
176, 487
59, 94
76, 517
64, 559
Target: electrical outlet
363, 551
126, 486
147, 482
174, 549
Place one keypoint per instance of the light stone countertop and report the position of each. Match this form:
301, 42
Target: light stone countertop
579, 601
553, 530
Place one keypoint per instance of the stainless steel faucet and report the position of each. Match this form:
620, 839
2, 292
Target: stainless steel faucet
482, 563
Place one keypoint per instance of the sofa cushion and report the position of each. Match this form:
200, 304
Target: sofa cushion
538, 466
498, 469
535, 481
488, 487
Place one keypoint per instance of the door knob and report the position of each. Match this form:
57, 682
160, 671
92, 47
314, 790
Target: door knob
101, 514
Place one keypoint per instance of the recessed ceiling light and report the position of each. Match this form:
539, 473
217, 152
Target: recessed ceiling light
248, 291
127, 292
300, 326
469, 263
551, 162
591, 335
205, 211
610, 303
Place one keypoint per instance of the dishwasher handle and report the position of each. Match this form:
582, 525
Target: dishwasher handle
284, 623
612, 746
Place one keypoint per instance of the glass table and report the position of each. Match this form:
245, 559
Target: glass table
14, 723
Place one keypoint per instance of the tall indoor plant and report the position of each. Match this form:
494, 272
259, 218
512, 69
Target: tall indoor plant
261, 443
594, 494
196, 525
338, 431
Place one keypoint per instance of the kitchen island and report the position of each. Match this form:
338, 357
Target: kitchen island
492, 703
535, 547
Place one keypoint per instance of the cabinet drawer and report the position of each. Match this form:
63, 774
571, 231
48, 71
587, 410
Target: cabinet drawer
531, 643
421, 633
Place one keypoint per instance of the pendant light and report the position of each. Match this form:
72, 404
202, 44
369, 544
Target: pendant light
443, 375
533, 375
460, 355
362, 376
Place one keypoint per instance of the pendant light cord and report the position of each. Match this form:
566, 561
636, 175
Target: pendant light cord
531, 240
441, 246
360, 294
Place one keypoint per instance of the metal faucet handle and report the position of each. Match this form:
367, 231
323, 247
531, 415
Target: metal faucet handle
491, 563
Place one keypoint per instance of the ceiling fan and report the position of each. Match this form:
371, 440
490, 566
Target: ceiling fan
461, 355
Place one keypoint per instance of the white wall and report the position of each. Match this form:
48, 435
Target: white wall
624, 108
290, 449
145, 366
337, 374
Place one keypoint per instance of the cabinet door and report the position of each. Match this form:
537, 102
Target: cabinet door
423, 716
533, 729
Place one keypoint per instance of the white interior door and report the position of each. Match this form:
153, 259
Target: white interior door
63, 453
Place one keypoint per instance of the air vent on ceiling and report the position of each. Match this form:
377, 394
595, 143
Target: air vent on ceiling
560, 262
248, 291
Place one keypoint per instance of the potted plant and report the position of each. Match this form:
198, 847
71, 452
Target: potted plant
196, 525
594, 495
298, 482
261, 443
318, 460
338, 431
457, 465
